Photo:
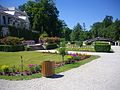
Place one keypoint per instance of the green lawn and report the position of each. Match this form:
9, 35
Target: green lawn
29, 57
57, 70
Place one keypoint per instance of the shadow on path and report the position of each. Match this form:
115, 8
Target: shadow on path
56, 76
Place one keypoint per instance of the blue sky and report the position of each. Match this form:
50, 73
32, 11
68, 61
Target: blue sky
82, 11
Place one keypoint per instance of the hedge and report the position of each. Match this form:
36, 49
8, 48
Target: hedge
51, 46
101, 42
102, 47
11, 48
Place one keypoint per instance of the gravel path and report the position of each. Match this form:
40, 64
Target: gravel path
100, 74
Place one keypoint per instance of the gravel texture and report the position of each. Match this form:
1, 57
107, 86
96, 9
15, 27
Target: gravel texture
100, 74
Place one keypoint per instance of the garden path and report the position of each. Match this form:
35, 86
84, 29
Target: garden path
100, 74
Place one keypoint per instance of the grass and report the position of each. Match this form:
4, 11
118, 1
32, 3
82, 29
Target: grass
31, 57
57, 70
76, 64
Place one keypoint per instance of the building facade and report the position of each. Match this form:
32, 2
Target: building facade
13, 17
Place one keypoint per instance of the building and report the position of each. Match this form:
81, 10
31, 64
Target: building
13, 17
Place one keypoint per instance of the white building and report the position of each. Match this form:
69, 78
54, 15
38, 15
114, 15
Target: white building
13, 17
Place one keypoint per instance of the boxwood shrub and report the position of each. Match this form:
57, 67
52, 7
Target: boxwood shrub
12, 48
102, 47
51, 46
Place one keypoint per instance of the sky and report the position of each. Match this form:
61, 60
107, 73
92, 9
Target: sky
82, 11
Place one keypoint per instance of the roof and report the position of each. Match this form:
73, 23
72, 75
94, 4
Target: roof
99, 39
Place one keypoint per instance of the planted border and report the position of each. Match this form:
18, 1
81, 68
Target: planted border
57, 70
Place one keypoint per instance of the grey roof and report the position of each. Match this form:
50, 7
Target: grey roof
99, 39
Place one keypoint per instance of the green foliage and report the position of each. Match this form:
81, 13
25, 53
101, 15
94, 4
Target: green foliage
66, 33
101, 42
57, 70
43, 35
74, 65
11, 41
79, 43
63, 44
62, 52
51, 40
5, 68
43, 16
102, 47
11, 48
107, 28
37, 67
51, 46
22, 33
78, 34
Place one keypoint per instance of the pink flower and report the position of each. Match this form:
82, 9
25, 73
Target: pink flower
31, 65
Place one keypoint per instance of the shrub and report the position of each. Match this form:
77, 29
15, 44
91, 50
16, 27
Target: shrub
101, 42
11, 48
5, 68
37, 68
51, 40
62, 52
63, 43
32, 68
102, 47
10, 41
51, 46
22, 33
79, 43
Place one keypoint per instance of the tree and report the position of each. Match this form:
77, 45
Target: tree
43, 16
31, 9
66, 33
108, 20
78, 34
96, 29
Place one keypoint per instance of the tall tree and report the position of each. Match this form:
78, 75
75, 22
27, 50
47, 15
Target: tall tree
108, 20
43, 16
78, 34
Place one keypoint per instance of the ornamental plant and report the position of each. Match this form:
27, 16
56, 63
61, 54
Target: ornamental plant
32, 67
5, 68
37, 68
62, 52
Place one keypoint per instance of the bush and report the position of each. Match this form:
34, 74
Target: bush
63, 43
5, 68
51, 40
32, 68
79, 43
37, 68
51, 46
11, 48
23, 33
10, 41
102, 47
101, 42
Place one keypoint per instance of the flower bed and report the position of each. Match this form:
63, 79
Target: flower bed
13, 71
34, 68
72, 58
